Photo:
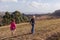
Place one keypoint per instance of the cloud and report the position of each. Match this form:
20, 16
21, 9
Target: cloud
24, 1
57, 5
39, 6
4, 8
31, 6
44, 7
9, 0
35, 4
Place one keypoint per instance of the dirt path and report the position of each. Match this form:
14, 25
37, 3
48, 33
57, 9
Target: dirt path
16, 24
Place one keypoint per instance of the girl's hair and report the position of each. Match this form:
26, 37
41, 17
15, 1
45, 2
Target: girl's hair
12, 20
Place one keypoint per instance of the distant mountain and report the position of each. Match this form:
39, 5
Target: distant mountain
2, 13
28, 13
56, 13
34, 13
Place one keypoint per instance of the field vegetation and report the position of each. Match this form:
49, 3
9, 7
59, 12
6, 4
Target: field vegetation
44, 30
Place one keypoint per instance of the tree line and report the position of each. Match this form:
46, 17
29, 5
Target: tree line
14, 15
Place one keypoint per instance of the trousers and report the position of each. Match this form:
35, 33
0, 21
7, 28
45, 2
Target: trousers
32, 30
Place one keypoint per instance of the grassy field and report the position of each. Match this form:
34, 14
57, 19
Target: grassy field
44, 30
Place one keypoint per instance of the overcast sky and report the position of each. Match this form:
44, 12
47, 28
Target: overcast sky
30, 5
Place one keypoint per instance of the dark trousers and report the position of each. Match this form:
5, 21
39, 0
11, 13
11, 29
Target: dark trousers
32, 30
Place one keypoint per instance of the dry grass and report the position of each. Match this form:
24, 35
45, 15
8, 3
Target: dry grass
43, 31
